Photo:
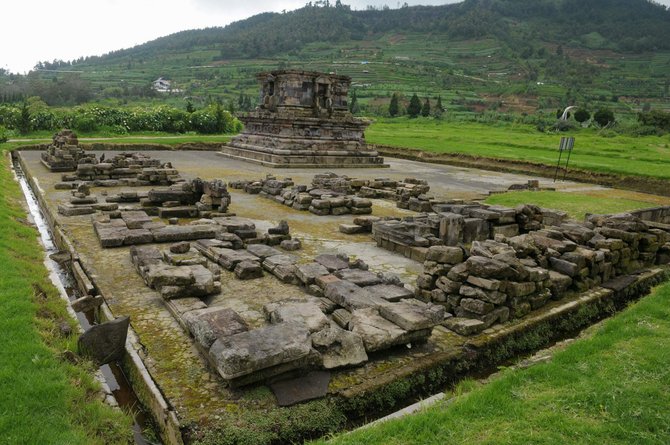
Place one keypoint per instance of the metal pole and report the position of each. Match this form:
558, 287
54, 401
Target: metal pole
560, 153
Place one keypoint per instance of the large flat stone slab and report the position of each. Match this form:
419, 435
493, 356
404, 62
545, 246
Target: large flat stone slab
305, 312
390, 292
412, 314
247, 352
229, 258
350, 296
358, 277
378, 333
332, 262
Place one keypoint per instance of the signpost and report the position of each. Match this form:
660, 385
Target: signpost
567, 143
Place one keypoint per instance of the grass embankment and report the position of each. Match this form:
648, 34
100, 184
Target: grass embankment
610, 388
647, 156
578, 204
44, 399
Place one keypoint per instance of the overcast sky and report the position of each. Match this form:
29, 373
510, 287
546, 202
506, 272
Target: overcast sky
41, 30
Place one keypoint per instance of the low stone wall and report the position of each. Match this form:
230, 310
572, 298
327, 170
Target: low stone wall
457, 224
494, 280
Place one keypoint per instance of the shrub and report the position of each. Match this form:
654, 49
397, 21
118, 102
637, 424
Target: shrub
604, 117
4, 134
582, 115
561, 125
85, 124
656, 118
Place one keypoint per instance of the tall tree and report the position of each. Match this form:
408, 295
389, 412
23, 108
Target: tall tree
394, 109
438, 106
353, 105
414, 108
425, 110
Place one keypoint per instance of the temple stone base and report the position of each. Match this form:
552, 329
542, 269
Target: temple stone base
305, 158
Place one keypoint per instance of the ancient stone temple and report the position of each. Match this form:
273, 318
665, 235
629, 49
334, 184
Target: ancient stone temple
303, 121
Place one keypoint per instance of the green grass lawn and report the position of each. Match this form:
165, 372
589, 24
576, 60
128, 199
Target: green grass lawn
575, 204
43, 398
624, 155
610, 388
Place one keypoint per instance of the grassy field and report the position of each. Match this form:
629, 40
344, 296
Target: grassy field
624, 155
577, 204
44, 398
610, 388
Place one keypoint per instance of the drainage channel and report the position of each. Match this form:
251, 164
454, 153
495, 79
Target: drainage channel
62, 278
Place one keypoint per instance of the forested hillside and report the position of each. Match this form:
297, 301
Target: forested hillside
478, 55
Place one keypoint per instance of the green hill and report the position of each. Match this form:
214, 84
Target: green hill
501, 55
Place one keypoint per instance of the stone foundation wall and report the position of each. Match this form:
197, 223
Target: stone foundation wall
494, 280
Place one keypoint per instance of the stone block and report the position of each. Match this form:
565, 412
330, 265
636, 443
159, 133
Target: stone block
105, 342
459, 273
564, 267
448, 286
248, 352
248, 270
350, 296
303, 312
390, 292
507, 231
308, 273
332, 262
515, 289
291, 245
488, 268
477, 306
475, 229
351, 229
137, 236
358, 277
451, 228
229, 258
323, 281
184, 233
464, 326
445, 254
206, 325
160, 274
413, 315
485, 283
339, 348
378, 333
262, 251
272, 262
495, 297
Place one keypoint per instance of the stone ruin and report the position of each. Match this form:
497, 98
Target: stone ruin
190, 199
456, 224
315, 199
83, 202
303, 121
507, 277
64, 153
351, 312
123, 169
332, 194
